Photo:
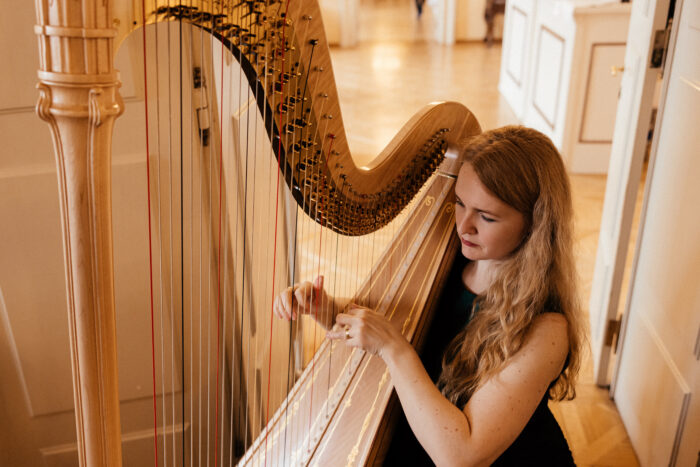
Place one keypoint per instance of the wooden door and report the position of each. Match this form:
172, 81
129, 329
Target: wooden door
641, 69
657, 379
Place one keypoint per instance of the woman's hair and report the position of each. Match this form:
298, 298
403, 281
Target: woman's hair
522, 168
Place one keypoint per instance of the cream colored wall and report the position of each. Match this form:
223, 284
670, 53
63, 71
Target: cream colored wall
470, 24
340, 20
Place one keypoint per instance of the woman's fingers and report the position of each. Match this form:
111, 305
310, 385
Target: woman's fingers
337, 333
318, 286
344, 323
303, 294
364, 328
344, 319
357, 310
303, 297
288, 303
282, 306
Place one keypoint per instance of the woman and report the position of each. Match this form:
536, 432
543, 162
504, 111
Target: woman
507, 330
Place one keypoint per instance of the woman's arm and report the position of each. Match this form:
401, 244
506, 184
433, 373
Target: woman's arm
496, 413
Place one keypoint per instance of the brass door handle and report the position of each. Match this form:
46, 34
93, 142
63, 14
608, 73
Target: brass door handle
614, 70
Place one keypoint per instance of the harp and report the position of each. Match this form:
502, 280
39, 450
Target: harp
329, 407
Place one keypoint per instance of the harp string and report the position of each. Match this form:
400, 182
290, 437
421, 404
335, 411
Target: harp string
160, 247
182, 248
233, 320
258, 285
150, 241
218, 288
185, 441
210, 248
171, 243
224, 302
244, 294
191, 253
248, 372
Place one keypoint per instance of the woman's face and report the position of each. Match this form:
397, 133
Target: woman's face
487, 227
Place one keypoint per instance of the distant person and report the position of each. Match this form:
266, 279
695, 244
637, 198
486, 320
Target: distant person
419, 7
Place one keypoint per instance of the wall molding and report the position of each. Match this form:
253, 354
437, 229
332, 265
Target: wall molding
523, 41
549, 121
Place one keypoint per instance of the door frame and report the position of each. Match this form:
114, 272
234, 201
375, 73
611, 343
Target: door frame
621, 200
666, 69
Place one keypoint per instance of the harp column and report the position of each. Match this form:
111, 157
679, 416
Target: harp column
79, 98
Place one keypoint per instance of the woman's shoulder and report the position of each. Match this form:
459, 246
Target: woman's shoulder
549, 334
551, 318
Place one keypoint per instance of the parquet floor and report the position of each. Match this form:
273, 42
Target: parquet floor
388, 77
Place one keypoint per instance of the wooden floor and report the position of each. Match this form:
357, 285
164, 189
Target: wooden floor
387, 78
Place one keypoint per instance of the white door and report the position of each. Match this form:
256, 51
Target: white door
657, 379
641, 69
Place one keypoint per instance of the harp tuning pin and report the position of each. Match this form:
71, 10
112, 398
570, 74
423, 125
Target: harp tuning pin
313, 42
328, 116
335, 153
323, 95
307, 17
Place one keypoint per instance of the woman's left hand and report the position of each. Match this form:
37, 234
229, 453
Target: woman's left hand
366, 329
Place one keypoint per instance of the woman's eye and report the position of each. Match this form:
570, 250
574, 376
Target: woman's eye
487, 219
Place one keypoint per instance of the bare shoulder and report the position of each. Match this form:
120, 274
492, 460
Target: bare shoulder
550, 323
549, 335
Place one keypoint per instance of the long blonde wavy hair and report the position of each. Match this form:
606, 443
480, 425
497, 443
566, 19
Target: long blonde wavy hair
521, 167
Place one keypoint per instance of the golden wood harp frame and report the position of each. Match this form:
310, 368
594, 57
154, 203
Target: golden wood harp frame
281, 48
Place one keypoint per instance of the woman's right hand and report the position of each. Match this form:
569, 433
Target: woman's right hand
305, 298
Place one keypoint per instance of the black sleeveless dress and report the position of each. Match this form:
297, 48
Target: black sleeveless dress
541, 443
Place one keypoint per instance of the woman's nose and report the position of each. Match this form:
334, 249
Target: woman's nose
466, 224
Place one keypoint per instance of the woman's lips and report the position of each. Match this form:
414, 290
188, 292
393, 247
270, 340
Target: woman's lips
468, 243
